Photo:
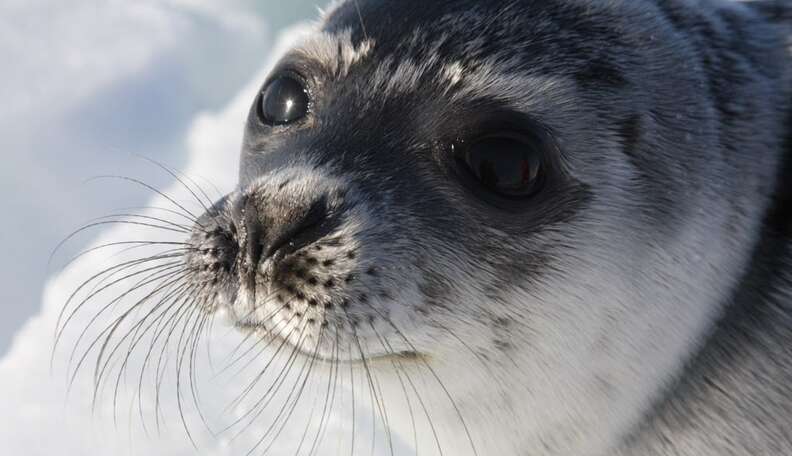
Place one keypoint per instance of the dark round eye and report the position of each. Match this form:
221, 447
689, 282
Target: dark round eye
509, 165
283, 101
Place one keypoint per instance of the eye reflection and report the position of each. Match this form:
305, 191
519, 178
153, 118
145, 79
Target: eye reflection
507, 165
285, 100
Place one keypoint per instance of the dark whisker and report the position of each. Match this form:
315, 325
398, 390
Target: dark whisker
293, 406
186, 217
436, 377
330, 396
396, 368
176, 175
150, 218
179, 304
372, 388
272, 388
110, 275
272, 337
134, 244
109, 222
171, 327
289, 405
120, 266
154, 189
157, 270
180, 353
189, 344
107, 332
136, 337
352, 386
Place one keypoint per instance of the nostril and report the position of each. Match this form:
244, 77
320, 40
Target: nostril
314, 223
270, 228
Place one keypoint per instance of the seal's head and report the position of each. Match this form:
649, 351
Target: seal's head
533, 204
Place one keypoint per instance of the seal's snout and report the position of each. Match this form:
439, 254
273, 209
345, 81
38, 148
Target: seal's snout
256, 240
251, 246
297, 253
272, 225
213, 247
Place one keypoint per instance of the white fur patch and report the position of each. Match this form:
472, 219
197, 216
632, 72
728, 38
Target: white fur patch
453, 73
336, 54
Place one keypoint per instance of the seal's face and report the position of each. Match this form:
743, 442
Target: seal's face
502, 188
379, 193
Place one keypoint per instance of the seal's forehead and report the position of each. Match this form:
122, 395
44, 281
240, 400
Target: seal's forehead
587, 41
506, 51
340, 57
334, 53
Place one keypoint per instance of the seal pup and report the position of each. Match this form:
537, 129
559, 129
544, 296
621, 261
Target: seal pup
565, 222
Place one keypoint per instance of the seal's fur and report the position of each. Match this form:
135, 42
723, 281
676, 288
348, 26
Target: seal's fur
640, 304
645, 299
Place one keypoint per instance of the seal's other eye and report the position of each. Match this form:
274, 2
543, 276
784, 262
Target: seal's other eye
283, 101
510, 165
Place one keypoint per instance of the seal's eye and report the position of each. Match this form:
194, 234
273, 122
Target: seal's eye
510, 165
283, 101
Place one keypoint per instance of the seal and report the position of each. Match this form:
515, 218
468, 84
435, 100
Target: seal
556, 227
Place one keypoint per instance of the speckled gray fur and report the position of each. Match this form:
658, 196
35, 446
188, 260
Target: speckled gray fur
641, 305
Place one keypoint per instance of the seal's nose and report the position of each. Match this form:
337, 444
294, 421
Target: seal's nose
306, 226
251, 245
271, 228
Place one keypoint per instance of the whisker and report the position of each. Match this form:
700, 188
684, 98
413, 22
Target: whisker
107, 332
162, 360
389, 350
107, 336
352, 387
262, 404
327, 410
372, 389
181, 303
360, 19
150, 218
176, 175
154, 189
120, 266
186, 217
293, 406
274, 386
83, 228
157, 271
190, 342
272, 337
134, 244
178, 254
179, 365
171, 297
436, 377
